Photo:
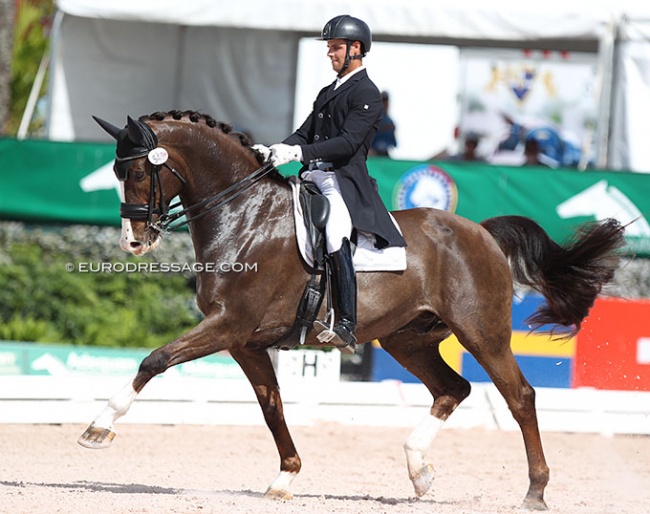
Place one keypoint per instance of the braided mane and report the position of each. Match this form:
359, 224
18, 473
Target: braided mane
226, 128
196, 117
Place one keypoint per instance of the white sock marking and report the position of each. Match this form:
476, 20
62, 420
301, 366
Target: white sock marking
418, 443
283, 481
117, 407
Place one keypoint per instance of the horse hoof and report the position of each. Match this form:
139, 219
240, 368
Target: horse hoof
96, 438
278, 494
534, 504
423, 480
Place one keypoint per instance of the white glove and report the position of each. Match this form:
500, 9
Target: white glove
264, 150
282, 154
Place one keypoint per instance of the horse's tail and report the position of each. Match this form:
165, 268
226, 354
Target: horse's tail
570, 276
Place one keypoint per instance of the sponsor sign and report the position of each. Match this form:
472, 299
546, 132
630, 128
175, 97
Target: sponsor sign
45, 181
613, 350
68, 360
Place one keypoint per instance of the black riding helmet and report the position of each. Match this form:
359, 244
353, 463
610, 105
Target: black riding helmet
350, 29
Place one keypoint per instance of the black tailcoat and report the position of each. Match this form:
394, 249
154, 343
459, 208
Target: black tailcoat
339, 130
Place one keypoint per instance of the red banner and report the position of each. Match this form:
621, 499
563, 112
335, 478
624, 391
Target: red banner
613, 347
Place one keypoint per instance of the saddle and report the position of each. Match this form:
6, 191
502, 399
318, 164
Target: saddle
316, 210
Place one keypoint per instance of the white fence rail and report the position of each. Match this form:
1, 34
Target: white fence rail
182, 400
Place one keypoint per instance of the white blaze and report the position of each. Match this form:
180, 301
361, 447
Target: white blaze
127, 231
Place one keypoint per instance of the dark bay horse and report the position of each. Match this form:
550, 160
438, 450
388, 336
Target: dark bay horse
459, 279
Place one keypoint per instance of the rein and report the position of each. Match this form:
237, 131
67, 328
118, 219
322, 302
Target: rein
218, 200
145, 212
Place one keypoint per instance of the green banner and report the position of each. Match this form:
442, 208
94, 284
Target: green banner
60, 360
558, 199
45, 181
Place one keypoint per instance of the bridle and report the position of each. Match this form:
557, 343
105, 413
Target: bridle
157, 205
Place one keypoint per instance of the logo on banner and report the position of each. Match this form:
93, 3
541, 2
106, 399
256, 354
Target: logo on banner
426, 186
603, 200
519, 79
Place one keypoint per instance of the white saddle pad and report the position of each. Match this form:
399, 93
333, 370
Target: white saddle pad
366, 256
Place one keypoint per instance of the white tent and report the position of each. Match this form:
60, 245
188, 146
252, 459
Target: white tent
238, 60
629, 148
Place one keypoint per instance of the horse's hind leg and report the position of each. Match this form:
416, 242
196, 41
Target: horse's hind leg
520, 397
495, 356
257, 366
420, 355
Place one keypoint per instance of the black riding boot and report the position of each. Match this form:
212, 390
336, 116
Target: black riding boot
344, 286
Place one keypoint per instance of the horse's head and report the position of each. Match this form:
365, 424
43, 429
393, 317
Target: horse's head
148, 184
215, 165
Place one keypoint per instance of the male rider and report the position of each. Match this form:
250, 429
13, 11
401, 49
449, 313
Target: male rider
333, 145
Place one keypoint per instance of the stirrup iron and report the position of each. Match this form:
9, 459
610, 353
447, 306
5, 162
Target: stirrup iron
327, 329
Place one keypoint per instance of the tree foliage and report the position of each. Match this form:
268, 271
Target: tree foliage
6, 48
31, 41
44, 297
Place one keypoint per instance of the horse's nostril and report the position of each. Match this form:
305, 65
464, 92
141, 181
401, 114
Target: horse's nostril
135, 244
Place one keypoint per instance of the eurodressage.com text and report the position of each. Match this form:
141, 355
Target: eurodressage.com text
161, 267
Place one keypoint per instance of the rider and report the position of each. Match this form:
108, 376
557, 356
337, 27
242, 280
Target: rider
333, 146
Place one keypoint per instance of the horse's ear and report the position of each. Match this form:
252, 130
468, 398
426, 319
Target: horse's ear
108, 127
134, 131
141, 134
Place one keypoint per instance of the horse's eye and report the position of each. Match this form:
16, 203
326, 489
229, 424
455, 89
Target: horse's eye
139, 175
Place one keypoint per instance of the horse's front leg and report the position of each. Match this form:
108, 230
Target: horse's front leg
198, 342
257, 366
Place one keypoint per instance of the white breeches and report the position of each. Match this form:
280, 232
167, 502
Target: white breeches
339, 223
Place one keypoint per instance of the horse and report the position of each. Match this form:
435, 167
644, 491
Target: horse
458, 280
